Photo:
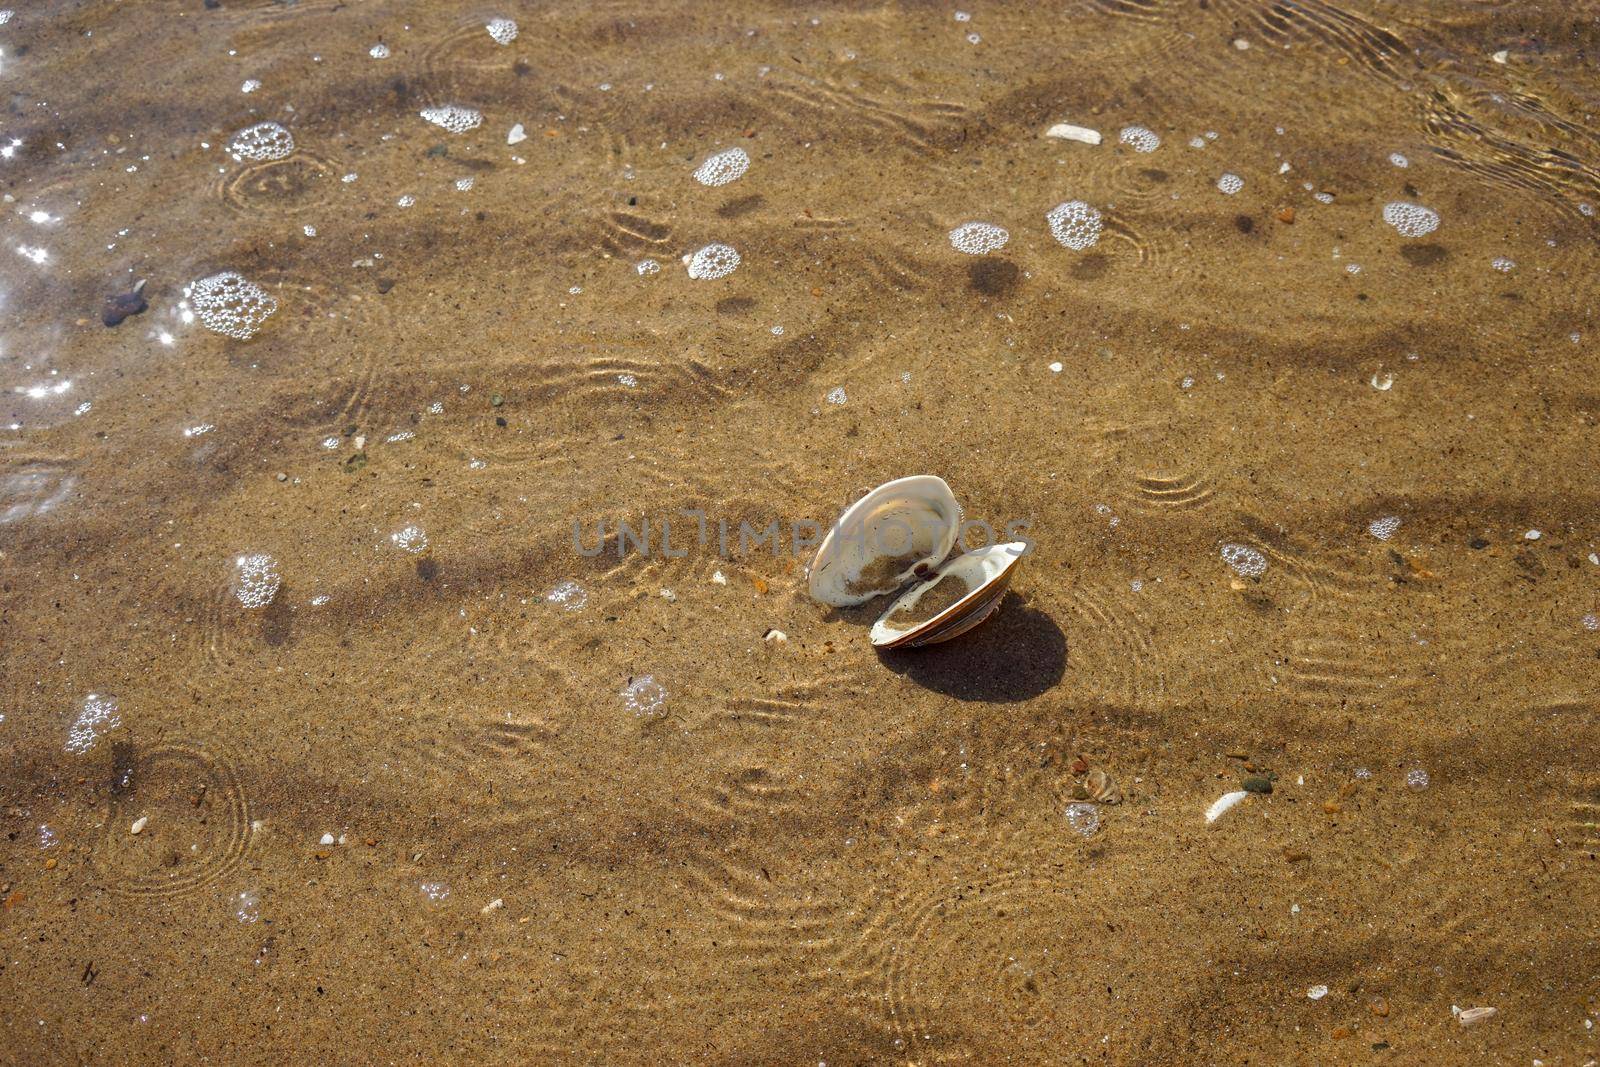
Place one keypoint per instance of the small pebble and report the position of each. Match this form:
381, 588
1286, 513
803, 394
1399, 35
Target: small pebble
1476, 1015
775, 636
139, 824
494, 905
327, 839
1257, 784
1317, 992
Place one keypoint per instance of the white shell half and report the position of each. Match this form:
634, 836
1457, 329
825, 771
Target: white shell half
881, 539
986, 572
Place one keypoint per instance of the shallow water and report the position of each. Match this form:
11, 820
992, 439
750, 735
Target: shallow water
291, 584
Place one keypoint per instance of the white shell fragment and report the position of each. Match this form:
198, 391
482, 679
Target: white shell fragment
1224, 804
1469, 1016
144, 820
1066, 131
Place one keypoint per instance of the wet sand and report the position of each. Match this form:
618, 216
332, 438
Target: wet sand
712, 847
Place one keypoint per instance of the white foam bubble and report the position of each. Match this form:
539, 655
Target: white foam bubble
1399, 160
1075, 224
568, 595
98, 716
503, 30
836, 395
247, 906
261, 142
978, 238
647, 266
1140, 138
256, 579
713, 261
723, 167
410, 539
1244, 561
1230, 183
1504, 264
644, 696
454, 117
379, 51
1411, 220
231, 304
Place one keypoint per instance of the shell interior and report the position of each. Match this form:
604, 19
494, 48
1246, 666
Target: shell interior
881, 539
958, 597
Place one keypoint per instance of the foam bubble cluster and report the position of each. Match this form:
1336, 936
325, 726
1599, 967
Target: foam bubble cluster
713, 261
410, 539
723, 167
99, 715
1230, 183
1504, 264
1384, 528
978, 238
1075, 224
569, 595
1399, 160
454, 117
261, 142
256, 579
644, 696
379, 51
231, 304
1141, 139
1411, 220
1244, 561
504, 31
647, 266
1083, 818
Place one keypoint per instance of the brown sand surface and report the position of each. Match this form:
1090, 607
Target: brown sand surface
708, 847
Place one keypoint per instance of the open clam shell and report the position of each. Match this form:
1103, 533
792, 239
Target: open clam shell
958, 597
880, 540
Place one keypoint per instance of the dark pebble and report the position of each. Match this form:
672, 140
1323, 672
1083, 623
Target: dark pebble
384, 285
1478, 544
1257, 784
121, 306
